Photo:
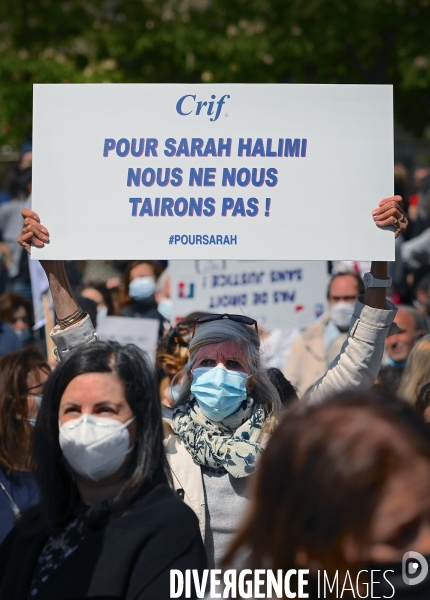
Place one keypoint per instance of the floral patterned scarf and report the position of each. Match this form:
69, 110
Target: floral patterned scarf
233, 444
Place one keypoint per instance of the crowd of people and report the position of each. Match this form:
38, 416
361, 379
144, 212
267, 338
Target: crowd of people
114, 471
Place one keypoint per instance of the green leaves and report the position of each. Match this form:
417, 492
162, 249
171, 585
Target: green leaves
253, 41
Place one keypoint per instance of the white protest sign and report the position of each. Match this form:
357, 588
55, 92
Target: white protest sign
157, 171
126, 330
280, 294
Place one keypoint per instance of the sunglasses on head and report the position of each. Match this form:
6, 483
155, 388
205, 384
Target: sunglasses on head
236, 318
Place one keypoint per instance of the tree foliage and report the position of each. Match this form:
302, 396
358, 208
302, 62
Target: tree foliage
253, 41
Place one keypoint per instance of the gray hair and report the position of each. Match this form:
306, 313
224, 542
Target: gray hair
420, 322
225, 330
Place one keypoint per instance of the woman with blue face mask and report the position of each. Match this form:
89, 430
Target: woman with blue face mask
108, 524
216, 432
17, 312
137, 297
22, 376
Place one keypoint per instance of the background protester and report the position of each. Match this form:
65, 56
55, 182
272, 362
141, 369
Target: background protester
10, 227
17, 311
342, 486
137, 297
99, 293
172, 355
22, 376
422, 405
314, 350
9, 341
5, 259
227, 405
412, 327
287, 392
417, 371
108, 524
422, 297
162, 295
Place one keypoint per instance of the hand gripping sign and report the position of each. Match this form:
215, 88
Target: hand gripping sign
212, 171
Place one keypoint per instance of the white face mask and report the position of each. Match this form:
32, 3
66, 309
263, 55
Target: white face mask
341, 314
95, 447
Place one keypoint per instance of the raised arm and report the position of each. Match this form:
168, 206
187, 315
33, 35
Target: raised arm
71, 320
358, 364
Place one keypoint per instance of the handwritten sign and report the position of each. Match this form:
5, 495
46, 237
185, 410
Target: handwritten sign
264, 172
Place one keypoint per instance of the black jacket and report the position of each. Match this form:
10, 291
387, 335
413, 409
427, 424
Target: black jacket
129, 558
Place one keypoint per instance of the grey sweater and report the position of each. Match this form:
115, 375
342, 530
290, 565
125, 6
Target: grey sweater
226, 502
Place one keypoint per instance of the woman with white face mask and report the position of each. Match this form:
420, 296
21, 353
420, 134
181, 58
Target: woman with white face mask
108, 524
22, 376
227, 405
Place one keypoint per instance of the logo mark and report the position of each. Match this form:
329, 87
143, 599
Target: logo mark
414, 568
185, 290
188, 104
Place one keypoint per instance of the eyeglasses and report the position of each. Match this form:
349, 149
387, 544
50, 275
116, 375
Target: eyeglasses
236, 318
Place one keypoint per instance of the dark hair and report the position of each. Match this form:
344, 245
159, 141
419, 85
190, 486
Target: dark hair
14, 371
124, 298
58, 492
172, 351
18, 182
423, 285
100, 286
389, 379
9, 303
287, 392
322, 475
89, 306
357, 278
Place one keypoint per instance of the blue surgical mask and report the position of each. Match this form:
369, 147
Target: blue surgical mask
23, 335
396, 364
219, 392
31, 421
165, 309
141, 288
102, 312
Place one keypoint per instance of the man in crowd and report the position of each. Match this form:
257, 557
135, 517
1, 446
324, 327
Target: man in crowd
422, 298
398, 346
319, 344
